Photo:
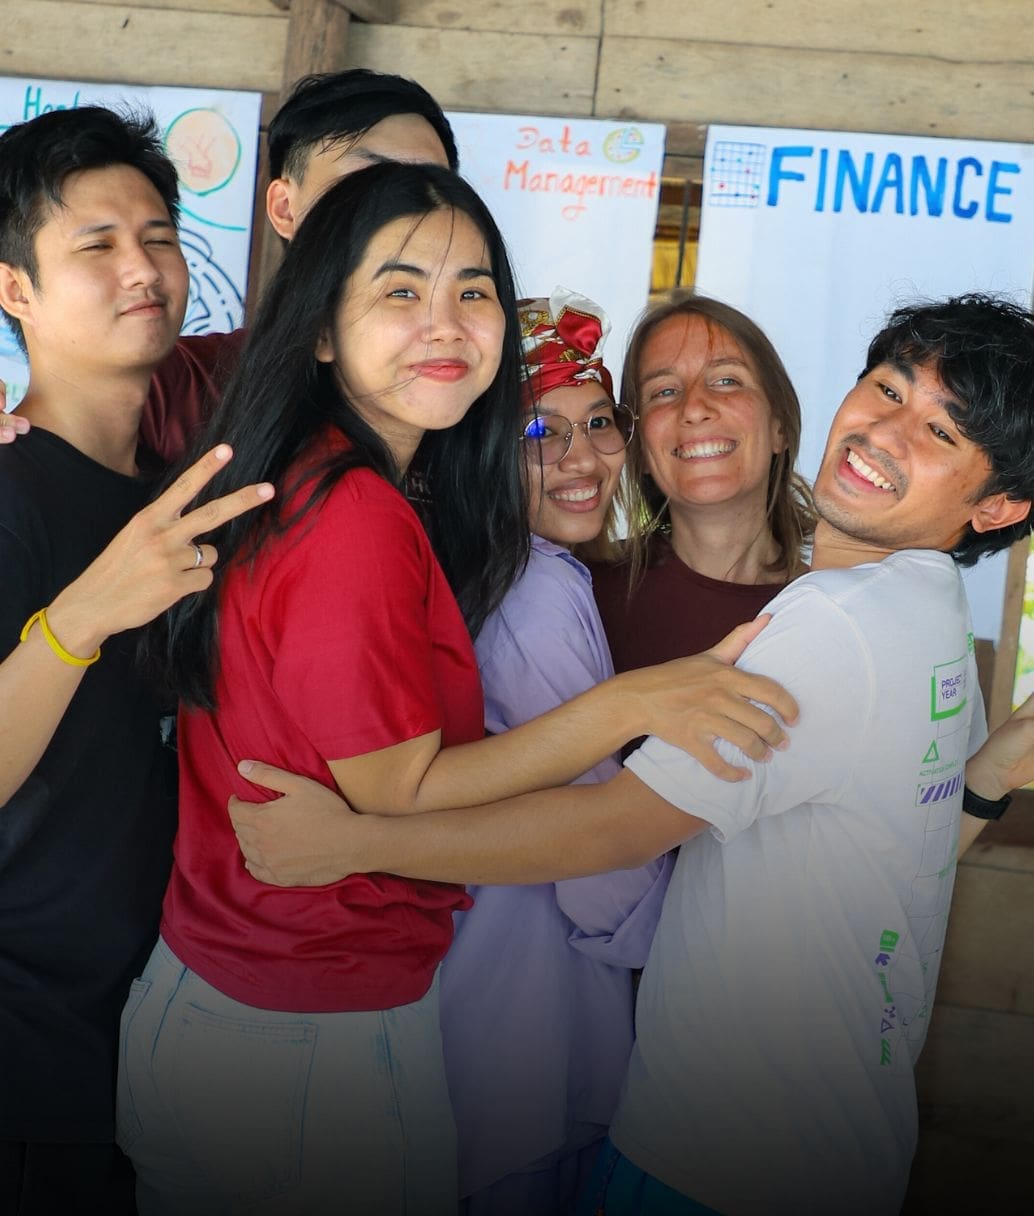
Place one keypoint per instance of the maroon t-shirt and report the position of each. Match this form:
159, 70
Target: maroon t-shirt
185, 389
673, 612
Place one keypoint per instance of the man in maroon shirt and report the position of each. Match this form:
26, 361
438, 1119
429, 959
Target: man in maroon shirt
331, 125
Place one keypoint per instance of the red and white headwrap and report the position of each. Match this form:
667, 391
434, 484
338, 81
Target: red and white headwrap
562, 339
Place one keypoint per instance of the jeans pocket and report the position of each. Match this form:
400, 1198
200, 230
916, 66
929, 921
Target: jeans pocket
238, 1090
127, 1119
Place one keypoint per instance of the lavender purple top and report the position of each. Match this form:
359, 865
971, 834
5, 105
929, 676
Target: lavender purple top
536, 990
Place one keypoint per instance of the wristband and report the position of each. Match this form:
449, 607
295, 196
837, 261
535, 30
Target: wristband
71, 659
983, 808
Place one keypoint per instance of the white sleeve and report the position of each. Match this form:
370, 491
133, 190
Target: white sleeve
814, 649
978, 722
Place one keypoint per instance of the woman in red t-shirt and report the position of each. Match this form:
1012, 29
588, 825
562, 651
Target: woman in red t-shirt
282, 1047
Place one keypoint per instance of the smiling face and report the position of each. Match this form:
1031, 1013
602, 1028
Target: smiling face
407, 138
111, 282
706, 427
569, 499
898, 473
419, 330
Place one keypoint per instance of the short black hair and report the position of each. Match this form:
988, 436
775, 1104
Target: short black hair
335, 107
37, 156
982, 349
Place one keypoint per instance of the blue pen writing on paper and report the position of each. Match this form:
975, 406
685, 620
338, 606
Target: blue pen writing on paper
839, 179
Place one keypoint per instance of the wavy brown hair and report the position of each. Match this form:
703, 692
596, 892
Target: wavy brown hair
790, 512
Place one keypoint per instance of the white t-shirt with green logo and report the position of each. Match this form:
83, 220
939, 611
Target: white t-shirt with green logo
791, 980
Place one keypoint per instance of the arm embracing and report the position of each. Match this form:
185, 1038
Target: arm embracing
534, 838
1005, 762
688, 702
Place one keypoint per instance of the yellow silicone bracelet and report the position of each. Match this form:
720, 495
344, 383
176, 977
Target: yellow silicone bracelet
48, 635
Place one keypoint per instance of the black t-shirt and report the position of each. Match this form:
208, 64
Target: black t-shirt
85, 844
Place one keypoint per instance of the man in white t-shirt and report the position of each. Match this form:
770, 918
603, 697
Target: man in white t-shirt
791, 980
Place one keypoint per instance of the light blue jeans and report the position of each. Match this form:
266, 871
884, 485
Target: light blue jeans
227, 1110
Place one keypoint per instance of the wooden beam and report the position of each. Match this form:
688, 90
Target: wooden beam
381, 12
467, 70
950, 31
263, 258
244, 8
685, 138
680, 81
317, 40
1003, 678
583, 18
63, 39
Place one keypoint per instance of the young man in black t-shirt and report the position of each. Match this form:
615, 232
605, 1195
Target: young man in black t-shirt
331, 125
94, 283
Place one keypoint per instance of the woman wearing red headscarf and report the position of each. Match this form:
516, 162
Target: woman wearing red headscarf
536, 997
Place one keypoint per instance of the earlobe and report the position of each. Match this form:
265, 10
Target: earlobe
324, 349
15, 290
280, 207
998, 511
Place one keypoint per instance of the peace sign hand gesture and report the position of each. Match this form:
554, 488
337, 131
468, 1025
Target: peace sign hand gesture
153, 562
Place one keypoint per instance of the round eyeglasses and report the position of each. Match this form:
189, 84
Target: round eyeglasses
548, 437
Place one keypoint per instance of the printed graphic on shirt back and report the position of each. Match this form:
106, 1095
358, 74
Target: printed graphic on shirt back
901, 1014
948, 688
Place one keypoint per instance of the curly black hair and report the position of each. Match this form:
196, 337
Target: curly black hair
982, 349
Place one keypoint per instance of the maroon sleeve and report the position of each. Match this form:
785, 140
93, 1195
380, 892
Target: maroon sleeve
185, 389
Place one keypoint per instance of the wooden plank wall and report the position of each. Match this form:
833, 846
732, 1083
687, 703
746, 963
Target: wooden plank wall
935, 67
944, 67
940, 67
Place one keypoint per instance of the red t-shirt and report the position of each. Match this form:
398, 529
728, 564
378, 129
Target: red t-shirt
342, 639
185, 388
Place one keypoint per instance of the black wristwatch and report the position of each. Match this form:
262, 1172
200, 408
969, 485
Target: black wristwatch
983, 808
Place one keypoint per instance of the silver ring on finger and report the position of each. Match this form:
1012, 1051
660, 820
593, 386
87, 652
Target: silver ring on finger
199, 556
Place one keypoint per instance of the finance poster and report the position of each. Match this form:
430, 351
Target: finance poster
818, 235
212, 137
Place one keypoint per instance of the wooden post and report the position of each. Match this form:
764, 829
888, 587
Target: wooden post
317, 41
1004, 678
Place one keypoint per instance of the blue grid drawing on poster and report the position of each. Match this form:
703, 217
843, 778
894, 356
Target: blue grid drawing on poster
735, 174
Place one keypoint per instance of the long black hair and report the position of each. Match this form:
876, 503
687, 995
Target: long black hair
281, 398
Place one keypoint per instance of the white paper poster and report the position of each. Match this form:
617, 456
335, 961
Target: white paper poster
576, 200
818, 235
212, 137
